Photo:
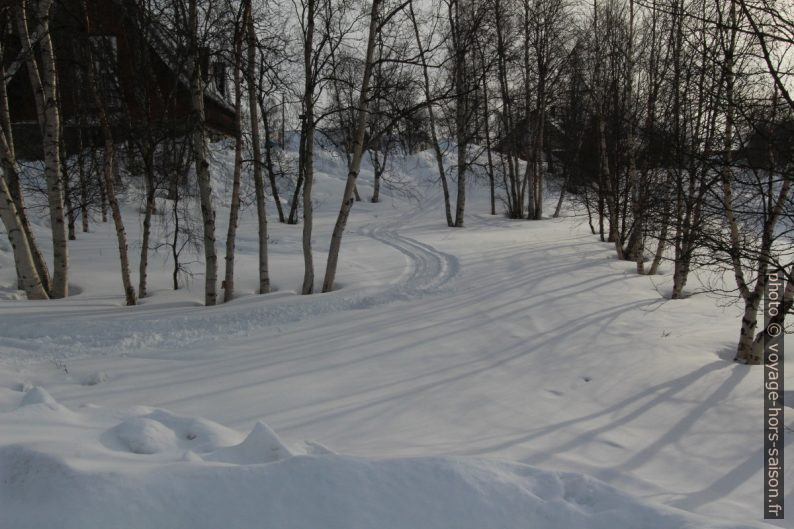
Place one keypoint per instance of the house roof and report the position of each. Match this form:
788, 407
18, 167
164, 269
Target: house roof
165, 48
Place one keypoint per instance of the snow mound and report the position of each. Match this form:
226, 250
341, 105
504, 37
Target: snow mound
196, 433
38, 395
154, 469
160, 431
140, 435
261, 446
95, 378
312, 492
37, 401
22, 468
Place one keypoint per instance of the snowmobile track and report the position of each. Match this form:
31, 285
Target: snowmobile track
141, 330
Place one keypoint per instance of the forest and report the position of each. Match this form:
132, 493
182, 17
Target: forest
670, 122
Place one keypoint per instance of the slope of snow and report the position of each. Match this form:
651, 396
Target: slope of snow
444, 350
161, 471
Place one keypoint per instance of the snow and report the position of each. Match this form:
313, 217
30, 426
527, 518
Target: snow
192, 483
261, 446
508, 374
39, 396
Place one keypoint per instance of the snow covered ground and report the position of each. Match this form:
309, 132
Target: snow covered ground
469, 378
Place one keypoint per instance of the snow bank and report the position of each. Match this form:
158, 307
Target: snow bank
150, 468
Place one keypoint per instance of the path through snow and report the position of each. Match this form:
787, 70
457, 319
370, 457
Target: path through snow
512, 340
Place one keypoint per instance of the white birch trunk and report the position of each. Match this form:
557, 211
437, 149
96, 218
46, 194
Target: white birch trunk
109, 153
8, 166
259, 181
201, 161
234, 208
439, 156
28, 276
358, 150
44, 83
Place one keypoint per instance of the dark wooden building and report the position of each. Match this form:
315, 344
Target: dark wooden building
140, 71
517, 141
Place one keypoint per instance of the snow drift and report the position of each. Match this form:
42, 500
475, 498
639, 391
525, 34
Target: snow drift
150, 468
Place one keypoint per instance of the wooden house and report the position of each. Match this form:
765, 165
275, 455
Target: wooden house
141, 77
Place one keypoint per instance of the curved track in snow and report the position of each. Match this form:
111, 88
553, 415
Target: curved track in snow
429, 269
75, 331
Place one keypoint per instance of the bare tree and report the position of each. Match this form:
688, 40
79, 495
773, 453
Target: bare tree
42, 74
259, 182
93, 57
772, 27
379, 16
32, 276
239, 28
199, 144
432, 122
545, 33
28, 276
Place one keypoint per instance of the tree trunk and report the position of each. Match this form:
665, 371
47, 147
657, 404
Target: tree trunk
234, 208
293, 209
487, 131
308, 215
757, 352
379, 167
308, 152
28, 276
67, 197
201, 161
45, 89
745, 353
635, 245
376, 190
108, 169
660, 246
680, 276
174, 242
8, 165
358, 150
121, 235
439, 156
376, 182
657, 257
259, 182
539, 168
103, 193
561, 199
461, 133
83, 180
149, 181
271, 173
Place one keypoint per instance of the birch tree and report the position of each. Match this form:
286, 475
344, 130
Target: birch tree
239, 28
259, 182
308, 126
42, 73
32, 274
28, 276
544, 55
93, 56
432, 121
377, 20
199, 146
772, 27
